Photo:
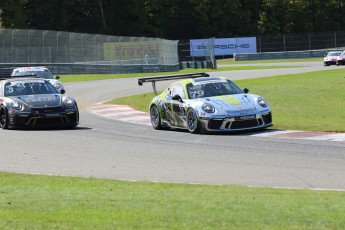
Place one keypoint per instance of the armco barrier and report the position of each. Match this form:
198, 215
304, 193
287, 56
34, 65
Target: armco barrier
56, 69
281, 55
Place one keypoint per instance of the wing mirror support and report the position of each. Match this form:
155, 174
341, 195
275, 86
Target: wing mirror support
62, 91
177, 97
57, 77
245, 90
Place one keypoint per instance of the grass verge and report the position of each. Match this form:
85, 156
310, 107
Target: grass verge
308, 101
49, 202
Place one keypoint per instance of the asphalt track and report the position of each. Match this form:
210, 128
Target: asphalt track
105, 148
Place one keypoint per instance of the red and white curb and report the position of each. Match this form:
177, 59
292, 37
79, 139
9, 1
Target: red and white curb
128, 114
121, 113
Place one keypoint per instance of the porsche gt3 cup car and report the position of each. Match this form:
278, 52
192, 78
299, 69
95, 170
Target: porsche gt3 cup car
341, 58
35, 102
331, 58
40, 72
206, 104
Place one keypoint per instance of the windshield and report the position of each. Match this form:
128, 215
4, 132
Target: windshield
211, 88
17, 88
333, 54
44, 73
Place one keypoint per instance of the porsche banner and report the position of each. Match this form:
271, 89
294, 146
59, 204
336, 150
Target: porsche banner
222, 46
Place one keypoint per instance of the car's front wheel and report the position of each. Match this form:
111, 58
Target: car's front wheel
155, 117
3, 118
193, 123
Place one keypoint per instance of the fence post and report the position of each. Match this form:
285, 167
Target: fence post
57, 46
29, 46
82, 43
43, 38
13, 32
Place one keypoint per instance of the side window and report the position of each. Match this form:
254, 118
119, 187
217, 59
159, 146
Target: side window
178, 89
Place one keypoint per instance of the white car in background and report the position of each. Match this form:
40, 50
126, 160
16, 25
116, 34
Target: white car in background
331, 58
341, 58
40, 72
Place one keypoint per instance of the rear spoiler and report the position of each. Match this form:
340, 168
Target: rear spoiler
24, 76
141, 81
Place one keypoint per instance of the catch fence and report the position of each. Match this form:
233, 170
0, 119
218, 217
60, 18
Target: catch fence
90, 52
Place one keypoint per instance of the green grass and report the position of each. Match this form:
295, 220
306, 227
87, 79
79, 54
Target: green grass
308, 101
49, 202
93, 77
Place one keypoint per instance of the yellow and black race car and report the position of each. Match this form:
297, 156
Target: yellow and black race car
202, 103
35, 103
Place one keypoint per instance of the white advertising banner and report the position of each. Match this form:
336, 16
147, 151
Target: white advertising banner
223, 46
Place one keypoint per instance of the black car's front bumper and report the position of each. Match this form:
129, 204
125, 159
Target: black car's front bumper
43, 118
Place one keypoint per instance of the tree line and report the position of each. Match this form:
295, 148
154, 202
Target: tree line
175, 19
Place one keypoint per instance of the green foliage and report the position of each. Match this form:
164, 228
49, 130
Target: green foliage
175, 19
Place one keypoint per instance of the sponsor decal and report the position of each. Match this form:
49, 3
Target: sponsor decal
232, 100
243, 118
222, 46
39, 99
208, 82
24, 69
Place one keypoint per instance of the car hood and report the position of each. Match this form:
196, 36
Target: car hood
39, 101
233, 103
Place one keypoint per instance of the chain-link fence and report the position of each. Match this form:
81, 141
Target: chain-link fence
302, 45
27, 47
297, 42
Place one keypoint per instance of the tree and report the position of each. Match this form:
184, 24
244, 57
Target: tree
12, 14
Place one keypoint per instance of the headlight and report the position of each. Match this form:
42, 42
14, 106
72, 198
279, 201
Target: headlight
16, 105
262, 102
69, 101
208, 108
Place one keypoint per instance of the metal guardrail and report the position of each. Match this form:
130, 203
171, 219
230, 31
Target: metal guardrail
281, 55
66, 68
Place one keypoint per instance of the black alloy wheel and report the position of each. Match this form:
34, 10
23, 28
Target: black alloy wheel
193, 124
155, 117
3, 118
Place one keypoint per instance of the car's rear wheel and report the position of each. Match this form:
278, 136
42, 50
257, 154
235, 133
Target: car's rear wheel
193, 123
155, 117
3, 118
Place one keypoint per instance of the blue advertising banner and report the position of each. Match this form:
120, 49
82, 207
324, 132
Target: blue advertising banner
222, 46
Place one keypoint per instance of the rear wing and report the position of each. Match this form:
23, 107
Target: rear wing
153, 80
24, 76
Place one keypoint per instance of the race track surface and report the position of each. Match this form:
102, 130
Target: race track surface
108, 148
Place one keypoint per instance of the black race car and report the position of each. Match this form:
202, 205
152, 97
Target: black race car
35, 103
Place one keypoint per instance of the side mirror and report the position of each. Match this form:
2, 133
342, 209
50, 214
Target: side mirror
177, 97
57, 77
245, 90
62, 91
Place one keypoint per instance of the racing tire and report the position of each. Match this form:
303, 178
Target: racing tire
193, 123
3, 118
155, 117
